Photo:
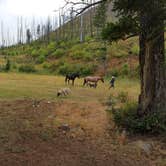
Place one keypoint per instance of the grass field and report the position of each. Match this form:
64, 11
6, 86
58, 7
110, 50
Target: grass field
34, 132
18, 86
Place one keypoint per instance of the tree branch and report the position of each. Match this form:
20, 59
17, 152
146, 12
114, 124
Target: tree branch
129, 36
86, 6
90, 5
76, 3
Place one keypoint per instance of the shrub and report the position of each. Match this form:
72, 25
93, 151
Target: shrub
35, 53
46, 65
78, 54
8, 65
113, 72
51, 47
135, 49
87, 70
78, 68
135, 72
27, 68
44, 52
111, 102
58, 53
127, 117
87, 56
122, 97
125, 69
40, 59
64, 69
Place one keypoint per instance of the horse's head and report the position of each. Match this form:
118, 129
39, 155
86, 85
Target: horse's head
77, 75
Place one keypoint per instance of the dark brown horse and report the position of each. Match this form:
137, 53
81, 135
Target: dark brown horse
93, 79
72, 77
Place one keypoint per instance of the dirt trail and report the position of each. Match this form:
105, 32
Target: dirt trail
63, 133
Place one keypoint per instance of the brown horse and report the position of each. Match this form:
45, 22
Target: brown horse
94, 79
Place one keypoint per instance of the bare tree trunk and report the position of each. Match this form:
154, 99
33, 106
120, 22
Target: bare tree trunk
2, 35
91, 22
81, 28
71, 23
152, 63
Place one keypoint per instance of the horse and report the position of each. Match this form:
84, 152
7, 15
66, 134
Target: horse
93, 79
72, 77
92, 85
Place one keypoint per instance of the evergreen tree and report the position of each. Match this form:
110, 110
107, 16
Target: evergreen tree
145, 19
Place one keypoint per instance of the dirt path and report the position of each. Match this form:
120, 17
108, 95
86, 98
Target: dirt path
64, 133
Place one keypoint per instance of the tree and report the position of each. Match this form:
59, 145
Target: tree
28, 35
100, 16
48, 29
38, 30
145, 19
148, 23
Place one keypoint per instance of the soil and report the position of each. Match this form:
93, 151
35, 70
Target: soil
68, 133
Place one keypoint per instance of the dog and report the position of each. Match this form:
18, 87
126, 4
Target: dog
63, 92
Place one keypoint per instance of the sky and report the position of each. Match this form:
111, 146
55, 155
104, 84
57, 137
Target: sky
10, 10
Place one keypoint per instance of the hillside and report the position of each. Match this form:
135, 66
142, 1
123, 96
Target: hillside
61, 52
90, 57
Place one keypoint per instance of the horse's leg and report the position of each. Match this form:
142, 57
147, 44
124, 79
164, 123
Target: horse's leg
84, 82
66, 79
73, 82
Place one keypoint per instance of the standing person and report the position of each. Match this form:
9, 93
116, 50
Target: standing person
112, 81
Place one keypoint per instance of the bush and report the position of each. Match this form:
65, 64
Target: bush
135, 49
35, 53
27, 68
111, 102
78, 68
135, 72
78, 54
64, 69
128, 118
58, 53
46, 65
43, 52
123, 97
51, 47
40, 59
8, 65
113, 72
125, 69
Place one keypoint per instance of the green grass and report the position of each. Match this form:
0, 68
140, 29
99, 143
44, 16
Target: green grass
18, 86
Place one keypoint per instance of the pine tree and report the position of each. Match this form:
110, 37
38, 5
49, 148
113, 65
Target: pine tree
145, 19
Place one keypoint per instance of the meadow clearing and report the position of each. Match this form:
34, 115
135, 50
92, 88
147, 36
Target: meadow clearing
38, 128
18, 86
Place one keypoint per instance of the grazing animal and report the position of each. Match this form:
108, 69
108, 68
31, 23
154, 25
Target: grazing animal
92, 85
63, 92
93, 79
72, 77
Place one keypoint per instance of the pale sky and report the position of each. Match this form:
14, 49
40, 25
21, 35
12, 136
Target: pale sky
31, 7
10, 10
